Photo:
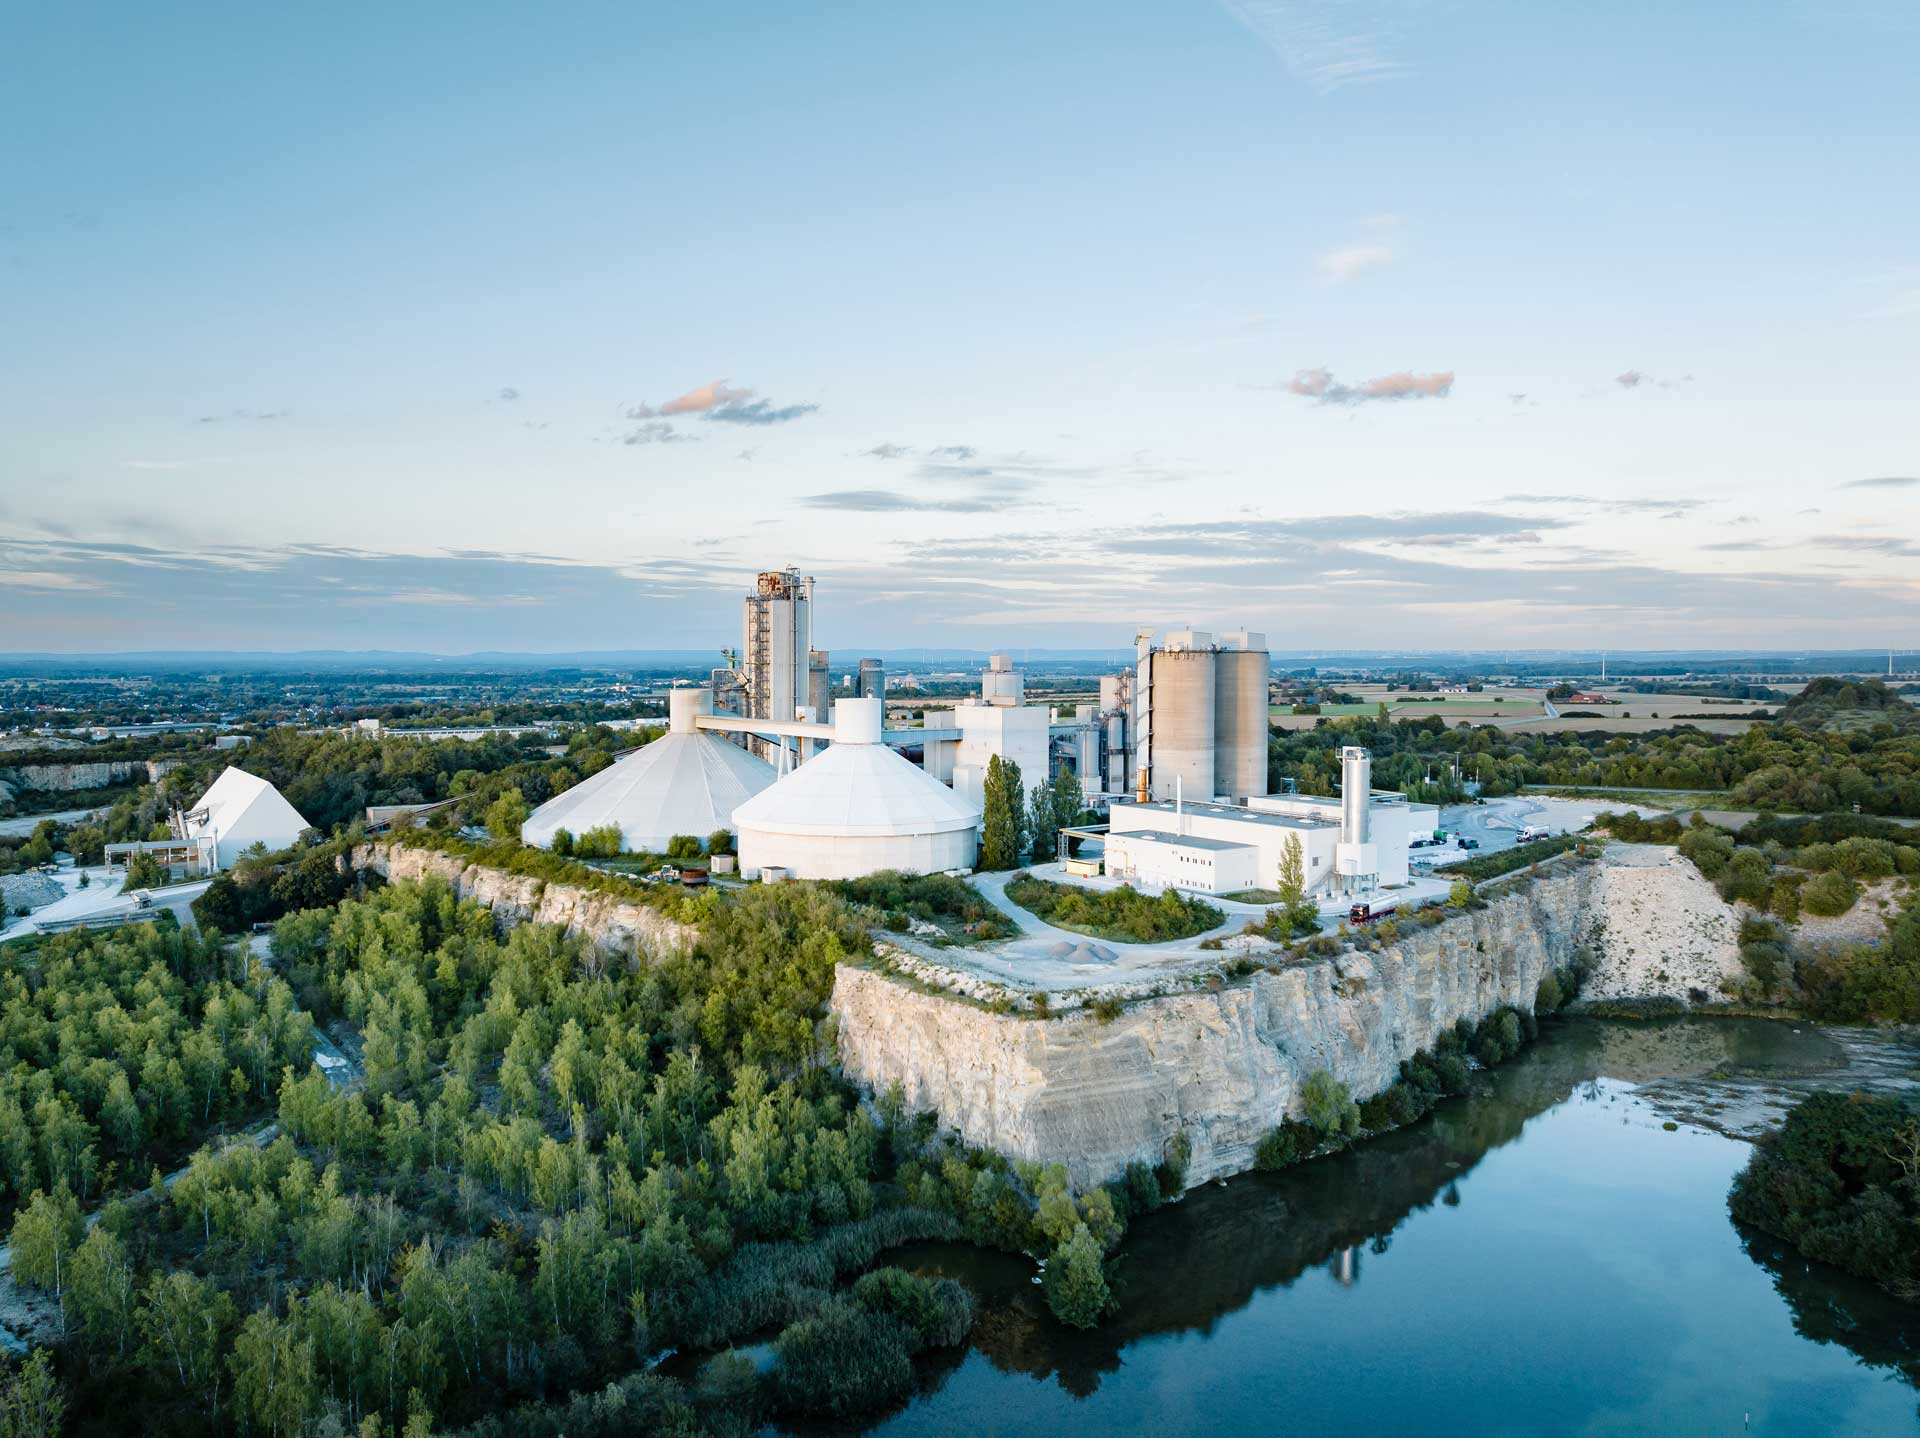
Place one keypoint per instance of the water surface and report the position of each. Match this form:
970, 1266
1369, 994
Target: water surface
1541, 1257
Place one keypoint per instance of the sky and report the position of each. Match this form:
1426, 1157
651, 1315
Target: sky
1365, 323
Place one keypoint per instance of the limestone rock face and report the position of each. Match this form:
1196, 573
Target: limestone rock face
618, 927
1221, 1067
90, 774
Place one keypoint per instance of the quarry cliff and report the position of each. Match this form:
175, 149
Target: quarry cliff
1220, 1066
617, 927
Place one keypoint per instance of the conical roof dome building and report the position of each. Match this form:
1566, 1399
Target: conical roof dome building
685, 782
855, 809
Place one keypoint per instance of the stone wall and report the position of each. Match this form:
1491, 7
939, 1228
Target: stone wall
618, 927
1221, 1067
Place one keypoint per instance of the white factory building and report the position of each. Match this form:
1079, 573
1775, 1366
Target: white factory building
856, 808
238, 811
684, 782
1346, 845
1000, 722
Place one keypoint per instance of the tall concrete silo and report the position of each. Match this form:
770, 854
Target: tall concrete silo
1181, 684
1240, 715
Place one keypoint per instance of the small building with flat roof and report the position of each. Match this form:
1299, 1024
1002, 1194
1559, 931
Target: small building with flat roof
1148, 858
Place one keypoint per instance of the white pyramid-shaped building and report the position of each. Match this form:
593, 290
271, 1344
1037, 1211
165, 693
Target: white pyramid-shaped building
855, 809
684, 782
239, 811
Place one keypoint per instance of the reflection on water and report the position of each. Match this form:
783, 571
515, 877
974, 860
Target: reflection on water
1542, 1256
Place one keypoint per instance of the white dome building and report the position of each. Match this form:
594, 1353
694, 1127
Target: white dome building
684, 782
856, 809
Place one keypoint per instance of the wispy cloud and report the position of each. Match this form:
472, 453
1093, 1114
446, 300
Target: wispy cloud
887, 451
1635, 379
243, 414
888, 501
1670, 508
1337, 266
957, 452
1886, 481
657, 431
1320, 385
759, 411
507, 394
1327, 44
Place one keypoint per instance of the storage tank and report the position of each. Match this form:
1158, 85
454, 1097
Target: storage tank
1356, 790
1181, 692
856, 809
1240, 715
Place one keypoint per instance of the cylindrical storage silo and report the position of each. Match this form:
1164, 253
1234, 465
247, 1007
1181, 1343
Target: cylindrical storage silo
1240, 722
1182, 722
1356, 791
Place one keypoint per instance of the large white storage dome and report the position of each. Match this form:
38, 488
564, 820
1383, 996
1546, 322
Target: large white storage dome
684, 782
856, 809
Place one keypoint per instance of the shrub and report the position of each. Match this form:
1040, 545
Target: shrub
1327, 1105
1172, 1172
683, 848
562, 843
603, 842
720, 841
842, 1360
1710, 850
1830, 894
938, 1313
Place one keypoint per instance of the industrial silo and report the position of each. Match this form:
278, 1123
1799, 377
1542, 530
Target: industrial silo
1182, 685
1240, 715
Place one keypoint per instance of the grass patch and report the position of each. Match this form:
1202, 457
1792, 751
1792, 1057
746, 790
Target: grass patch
1122, 916
1264, 897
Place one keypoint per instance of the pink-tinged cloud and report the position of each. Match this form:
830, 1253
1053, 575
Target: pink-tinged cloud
1319, 384
703, 400
1630, 379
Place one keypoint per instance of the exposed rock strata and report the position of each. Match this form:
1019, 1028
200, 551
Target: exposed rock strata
616, 926
1221, 1067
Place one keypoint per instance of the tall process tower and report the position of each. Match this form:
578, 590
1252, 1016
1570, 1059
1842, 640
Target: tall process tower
778, 663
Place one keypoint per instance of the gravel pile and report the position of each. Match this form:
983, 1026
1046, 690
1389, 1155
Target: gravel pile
28, 891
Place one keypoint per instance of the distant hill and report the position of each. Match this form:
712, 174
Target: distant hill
1844, 704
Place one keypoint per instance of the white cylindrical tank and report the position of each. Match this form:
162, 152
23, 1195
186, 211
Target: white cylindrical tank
1240, 722
1181, 721
856, 809
1356, 791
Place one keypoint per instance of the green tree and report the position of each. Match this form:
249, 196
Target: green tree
32, 1405
1044, 823
273, 1374
181, 1319
1004, 819
45, 1234
101, 1282
1069, 798
506, 814
1076, 1280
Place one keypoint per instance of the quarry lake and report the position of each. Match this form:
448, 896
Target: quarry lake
1543, 1256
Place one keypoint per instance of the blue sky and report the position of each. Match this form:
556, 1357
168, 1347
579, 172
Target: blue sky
1367, 323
